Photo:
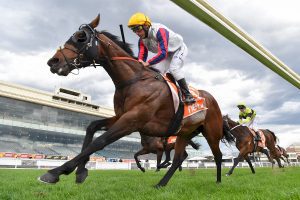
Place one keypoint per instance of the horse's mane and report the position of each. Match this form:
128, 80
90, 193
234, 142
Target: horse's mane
229, 119
125, 46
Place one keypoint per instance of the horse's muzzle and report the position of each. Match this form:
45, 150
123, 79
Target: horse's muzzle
52, 62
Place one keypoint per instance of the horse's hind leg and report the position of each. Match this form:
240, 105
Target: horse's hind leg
159, 155
265, 151
166, 163
82, 172
140, 152
179, 156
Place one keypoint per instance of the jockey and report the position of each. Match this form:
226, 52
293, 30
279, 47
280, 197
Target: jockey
247, 117
169, 48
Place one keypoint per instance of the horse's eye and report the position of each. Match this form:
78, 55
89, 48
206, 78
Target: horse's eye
79, 36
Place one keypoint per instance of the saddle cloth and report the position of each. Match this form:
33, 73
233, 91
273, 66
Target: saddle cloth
262, 141
190, 109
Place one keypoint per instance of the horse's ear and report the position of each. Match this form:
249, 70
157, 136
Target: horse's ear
95, 22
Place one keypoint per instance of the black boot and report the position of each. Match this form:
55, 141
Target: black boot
257, 136
189, 99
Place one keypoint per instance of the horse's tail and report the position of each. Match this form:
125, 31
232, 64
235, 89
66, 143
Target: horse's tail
194, 145
227, 135
274, 136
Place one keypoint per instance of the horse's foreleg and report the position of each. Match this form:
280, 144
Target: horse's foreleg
179, 156
249, 163
82, 172
235, 163
214, 146
138, 164
117, 131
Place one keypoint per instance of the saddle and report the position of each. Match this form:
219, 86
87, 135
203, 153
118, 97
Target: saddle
189, 109
182, 110
260, 143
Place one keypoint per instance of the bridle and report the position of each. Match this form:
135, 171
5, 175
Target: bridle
87, 53
226, 120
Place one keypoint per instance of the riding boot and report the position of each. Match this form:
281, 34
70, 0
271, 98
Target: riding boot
189, 99
257, 136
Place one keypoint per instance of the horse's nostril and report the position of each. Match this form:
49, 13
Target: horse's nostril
52, 61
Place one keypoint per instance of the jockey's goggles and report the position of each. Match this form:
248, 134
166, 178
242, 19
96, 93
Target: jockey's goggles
137, 28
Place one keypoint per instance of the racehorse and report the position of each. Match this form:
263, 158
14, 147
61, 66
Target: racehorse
283, 154
158, 146
142, 102
246, 145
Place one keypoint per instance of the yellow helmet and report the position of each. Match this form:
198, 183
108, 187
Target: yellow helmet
138, 19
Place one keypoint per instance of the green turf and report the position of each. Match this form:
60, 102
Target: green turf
189, 184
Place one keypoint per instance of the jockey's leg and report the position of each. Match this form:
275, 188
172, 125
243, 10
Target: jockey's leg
257, 136
251, 125
176, 70
189, 99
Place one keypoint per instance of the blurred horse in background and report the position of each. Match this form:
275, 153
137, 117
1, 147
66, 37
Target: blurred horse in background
158, 146
283, 154
245, 143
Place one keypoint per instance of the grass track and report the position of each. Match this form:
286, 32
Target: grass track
188, 184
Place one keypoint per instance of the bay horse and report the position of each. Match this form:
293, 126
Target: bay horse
158, 146
283, 154
246, 145
142, 102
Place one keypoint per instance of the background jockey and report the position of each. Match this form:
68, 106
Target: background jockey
169, 48
247, 117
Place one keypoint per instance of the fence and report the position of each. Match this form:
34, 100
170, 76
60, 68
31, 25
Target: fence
102, 165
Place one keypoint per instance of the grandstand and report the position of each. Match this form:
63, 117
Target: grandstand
53, 124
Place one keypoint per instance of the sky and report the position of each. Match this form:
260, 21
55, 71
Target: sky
32, 30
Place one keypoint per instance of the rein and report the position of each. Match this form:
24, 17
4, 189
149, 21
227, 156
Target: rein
123, 58
86, 55
235, 127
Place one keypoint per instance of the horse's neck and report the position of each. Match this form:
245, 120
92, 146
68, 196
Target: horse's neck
119, 70
235, 129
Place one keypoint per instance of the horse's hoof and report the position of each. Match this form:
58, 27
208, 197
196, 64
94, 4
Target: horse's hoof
157, 170
143, 170
49, 178
158, 186
227, 174
80, 178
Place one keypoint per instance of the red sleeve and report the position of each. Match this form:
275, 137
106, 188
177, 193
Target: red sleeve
143, 51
